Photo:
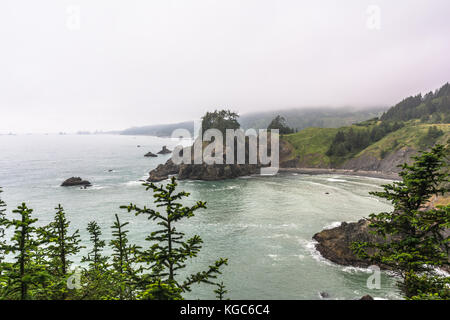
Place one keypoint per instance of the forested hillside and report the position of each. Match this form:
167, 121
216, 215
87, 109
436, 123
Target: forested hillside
416, 123
296, 119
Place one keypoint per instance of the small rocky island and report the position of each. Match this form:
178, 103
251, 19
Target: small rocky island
164, 150
203, 171
76, 181
150, 154
211, 172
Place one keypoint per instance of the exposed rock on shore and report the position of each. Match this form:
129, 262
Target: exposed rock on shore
164, 150
334, 244
75, 181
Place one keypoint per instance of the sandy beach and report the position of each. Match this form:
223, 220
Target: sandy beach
372, 174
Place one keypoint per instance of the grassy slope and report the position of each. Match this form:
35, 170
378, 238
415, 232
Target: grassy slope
311, 144
409, 136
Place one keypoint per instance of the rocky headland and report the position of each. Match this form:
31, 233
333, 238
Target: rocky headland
334, 244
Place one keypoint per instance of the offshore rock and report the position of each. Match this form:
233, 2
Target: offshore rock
163, 171
150, 154
75, 181
164, 150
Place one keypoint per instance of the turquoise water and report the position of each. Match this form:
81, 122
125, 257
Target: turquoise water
263, 225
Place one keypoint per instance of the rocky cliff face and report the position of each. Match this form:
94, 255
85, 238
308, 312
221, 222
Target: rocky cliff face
163, 171
216, 171
334, 244
204, 171
389, 164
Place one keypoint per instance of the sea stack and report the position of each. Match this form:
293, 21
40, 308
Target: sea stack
164, 150
75, 181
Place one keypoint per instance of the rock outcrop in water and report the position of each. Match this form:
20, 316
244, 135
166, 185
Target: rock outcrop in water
216, 171
75, 181
201, 171
163, 171
164, 150
209, 172
334, 244
150, 154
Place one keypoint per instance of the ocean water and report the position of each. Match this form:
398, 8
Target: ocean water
263, 225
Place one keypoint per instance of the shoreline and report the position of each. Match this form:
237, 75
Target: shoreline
370, 174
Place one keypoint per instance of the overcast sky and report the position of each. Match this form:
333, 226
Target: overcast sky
126, 63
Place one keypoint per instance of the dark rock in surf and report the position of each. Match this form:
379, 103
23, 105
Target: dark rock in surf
163, 171
150, 154
75, 181
367, 297
164, 150
334, 244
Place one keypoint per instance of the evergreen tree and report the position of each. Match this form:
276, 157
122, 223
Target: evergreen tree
24, 273
220, 291
124, 259
94, 257
160, 291
97, 279
2, 229
220, 120
415, 241
61, 246
431, 136
169, 251
280, 124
